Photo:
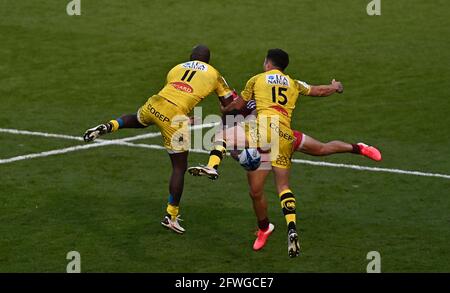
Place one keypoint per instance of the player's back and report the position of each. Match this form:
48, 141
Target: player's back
190, 82
275, 93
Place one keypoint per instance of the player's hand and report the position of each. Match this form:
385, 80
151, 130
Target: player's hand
222, 109
93, 133
338, 86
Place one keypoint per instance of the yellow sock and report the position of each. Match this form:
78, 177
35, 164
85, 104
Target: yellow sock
172, 211
216, 155
287, 200
115, 125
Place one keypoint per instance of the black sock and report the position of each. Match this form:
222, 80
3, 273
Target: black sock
292, 226
263, 224
356, 149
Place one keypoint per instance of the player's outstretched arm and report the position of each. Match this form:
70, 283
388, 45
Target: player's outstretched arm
125, 121
237, 104
326, 90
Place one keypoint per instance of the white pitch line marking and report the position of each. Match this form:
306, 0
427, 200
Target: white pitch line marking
156, 134
80, 138
372, 169
125, 142
97, 143
55, 152
43, 134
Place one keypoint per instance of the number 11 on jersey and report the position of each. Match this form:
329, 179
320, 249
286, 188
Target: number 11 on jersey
186, 73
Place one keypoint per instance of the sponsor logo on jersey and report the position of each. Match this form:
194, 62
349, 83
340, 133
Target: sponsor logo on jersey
281, 133
280, 109
181, 86
158, 114
277, 79
195, 65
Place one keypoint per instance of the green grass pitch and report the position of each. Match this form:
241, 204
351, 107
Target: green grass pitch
63, 74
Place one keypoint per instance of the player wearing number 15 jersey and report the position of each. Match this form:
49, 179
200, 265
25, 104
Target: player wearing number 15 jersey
275, 94
187, 84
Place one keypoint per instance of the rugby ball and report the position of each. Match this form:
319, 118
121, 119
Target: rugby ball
250, 159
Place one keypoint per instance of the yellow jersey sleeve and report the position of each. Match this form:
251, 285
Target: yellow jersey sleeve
222, 90
248, 92
303, 88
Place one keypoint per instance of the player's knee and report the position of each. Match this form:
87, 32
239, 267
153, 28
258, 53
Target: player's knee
180, 168
256, 194
321, 149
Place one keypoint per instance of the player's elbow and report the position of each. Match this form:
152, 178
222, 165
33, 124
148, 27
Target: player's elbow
324, 93
315, 92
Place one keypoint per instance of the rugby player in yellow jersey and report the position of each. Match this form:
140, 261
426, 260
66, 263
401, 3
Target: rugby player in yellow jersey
275, 94
187, 84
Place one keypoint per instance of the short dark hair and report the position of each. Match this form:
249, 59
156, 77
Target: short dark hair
201, 53
278, 57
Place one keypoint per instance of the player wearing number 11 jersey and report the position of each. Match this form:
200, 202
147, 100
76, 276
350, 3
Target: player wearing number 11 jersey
187, 84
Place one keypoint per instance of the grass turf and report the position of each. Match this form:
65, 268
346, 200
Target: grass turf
62, 74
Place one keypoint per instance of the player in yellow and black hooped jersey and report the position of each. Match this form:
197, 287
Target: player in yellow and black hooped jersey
187, 84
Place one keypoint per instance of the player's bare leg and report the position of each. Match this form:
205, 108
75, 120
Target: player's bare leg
176, 185
256, 180
230, 137
125, 121
314, 147
288, 206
